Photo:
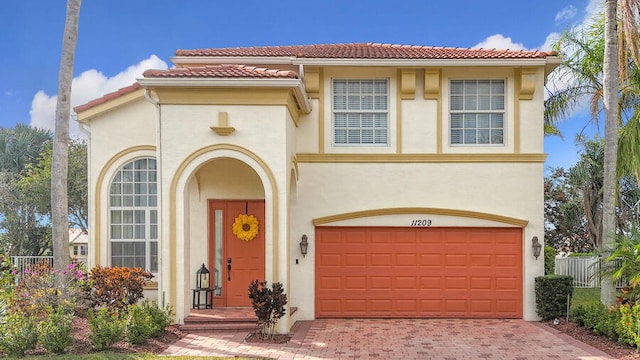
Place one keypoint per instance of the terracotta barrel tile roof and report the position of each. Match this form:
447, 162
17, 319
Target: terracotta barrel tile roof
367, 51
221, 71
120, 92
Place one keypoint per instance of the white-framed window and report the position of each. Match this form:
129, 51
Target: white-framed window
75, 250
84, 250
477, 112
133, 215
361, 111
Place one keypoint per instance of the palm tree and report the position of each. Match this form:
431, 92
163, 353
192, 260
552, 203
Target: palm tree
60, 160
618, 90
611, 85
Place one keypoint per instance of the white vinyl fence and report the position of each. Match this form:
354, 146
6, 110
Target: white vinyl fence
24, 262
583, 269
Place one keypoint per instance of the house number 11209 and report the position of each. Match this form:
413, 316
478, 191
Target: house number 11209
421, 222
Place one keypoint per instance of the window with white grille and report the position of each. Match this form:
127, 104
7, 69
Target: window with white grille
133, 216
477, 111
361, 112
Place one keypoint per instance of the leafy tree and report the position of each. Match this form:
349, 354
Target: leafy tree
587, 177
565, 228
37, 183
573, 202
24, 228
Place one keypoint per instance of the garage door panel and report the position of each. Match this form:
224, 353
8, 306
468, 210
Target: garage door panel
430, 282
430, 260
406, 260
506, 260
381, 260
481, 283
330, 283
355, 283
406, 282
507, 283
355, 260
380, 282
418, 272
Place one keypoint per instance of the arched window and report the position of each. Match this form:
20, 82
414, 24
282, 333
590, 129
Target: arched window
133, 215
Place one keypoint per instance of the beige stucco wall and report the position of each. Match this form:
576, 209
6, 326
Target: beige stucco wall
188, 145
514, 191
259, 161
116, 138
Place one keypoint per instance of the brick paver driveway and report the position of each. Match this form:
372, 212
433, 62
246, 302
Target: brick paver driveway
400, 339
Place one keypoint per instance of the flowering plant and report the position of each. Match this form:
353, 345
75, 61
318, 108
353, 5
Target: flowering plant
245, 227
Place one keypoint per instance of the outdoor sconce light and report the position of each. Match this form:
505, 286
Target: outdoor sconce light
304, 245
202, 278
202, 286
536, 247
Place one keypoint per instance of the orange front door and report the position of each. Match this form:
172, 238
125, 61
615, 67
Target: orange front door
235, 262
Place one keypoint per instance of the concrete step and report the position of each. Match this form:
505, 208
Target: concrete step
218, 327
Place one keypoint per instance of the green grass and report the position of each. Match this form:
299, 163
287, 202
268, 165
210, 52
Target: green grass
585, 296
120, 356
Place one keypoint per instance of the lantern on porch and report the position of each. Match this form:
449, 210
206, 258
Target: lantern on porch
202, 278
202, 286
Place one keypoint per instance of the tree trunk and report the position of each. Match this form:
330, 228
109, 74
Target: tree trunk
60, 159
610, 102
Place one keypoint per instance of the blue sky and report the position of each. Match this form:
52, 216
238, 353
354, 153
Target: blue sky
118, 39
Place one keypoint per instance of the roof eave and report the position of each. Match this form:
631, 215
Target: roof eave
296, 85
253, 60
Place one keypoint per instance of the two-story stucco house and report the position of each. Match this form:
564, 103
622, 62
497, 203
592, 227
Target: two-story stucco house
414, 174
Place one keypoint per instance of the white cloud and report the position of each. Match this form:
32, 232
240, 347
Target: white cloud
567, 13
498, 41
89, 85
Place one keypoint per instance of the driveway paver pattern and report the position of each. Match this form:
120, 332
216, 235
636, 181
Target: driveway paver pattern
443, 339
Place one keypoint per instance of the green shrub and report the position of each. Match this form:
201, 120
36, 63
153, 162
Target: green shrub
627, 326
593, 314
55, 332
608, 323
18, 334
140, 325
161, 317
551, 295
106, 328
577, 314
549, 260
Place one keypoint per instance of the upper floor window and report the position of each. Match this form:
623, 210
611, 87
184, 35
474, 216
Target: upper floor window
477, 109
360, 112
133, 230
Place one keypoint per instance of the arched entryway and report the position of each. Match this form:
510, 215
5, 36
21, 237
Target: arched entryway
232, 192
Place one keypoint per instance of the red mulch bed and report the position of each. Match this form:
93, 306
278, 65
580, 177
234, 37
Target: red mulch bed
601, 342
259, 337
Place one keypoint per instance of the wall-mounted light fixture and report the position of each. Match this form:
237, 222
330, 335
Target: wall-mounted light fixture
304, 245
537, 247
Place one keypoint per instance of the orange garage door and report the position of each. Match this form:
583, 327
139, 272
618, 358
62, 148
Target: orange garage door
418, 272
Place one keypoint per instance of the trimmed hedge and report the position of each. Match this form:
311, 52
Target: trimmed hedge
551, 295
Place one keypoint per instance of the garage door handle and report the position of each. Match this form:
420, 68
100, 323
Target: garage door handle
228, 269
